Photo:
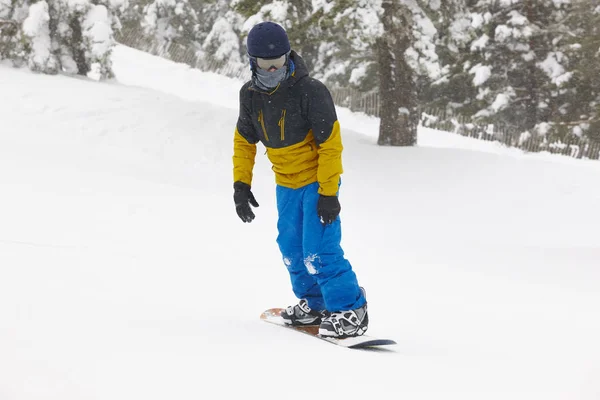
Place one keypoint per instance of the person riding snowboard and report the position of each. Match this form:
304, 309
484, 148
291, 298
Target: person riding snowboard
294, 117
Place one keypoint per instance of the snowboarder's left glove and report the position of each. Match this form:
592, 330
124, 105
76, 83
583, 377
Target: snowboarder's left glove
328, 208
243, 197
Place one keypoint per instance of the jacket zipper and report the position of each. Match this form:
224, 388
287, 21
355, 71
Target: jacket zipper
261, 119
282, 124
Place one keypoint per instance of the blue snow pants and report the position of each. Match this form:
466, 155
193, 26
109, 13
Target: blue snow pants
312, 252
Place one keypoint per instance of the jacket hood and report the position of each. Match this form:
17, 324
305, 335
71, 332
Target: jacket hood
300, 69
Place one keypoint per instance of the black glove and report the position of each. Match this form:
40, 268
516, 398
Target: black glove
328, 208
243, 197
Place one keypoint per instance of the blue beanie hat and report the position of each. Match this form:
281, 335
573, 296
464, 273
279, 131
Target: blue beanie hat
267, 40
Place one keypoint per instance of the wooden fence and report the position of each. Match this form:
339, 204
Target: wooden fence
182, 54
369, 104
575, 147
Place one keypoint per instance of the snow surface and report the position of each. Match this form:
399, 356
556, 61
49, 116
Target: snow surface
125, 272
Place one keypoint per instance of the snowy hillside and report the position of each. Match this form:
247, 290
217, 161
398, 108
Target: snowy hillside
125, 272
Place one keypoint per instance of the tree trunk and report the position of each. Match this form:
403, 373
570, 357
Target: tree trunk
77, 46
398, 115
531, 84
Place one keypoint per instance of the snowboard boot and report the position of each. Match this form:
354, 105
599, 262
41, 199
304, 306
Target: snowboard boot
301, 314
344, 324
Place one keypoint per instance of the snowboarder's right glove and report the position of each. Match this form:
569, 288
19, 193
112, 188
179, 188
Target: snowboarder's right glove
243, 197
328, 209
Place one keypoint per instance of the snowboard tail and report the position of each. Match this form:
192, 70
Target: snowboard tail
273, 316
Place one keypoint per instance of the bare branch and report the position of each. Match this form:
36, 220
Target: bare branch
8, 22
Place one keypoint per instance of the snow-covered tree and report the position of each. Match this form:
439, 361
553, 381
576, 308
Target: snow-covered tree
347, 55
297, 17
98, 27
514, 61
36, 29
72, 36
397, 87
12, 43
407, 55
452, 88
171, 22
579, 113
221, 33
84, 31
223, 42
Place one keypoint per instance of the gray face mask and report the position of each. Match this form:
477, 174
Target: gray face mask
269, 80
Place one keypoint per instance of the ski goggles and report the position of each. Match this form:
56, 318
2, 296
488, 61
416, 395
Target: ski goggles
268, 63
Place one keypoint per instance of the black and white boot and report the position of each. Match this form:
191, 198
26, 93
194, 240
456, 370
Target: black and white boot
301, 314
344, 324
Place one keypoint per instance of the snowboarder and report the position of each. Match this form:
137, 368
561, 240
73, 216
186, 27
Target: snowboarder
294, 117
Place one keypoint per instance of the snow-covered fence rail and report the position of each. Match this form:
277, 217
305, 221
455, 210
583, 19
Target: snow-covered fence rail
443, 120
509, 136
356, 101
369, 103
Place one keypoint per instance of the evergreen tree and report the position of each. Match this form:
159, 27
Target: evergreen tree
343, 33
12, 43
36, 30
453, 88
221, 32
84, 34
407, 58
580, 111
173, 25
296, 17
398, 126
62, 35
514, 62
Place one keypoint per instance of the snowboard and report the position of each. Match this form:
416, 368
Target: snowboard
273, 316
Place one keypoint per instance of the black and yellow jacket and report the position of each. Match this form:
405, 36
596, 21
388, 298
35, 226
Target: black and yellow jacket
298, 125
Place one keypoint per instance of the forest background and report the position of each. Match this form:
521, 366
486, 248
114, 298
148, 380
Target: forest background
522, 72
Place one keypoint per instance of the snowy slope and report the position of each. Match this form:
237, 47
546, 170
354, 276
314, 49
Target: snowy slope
126, 274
